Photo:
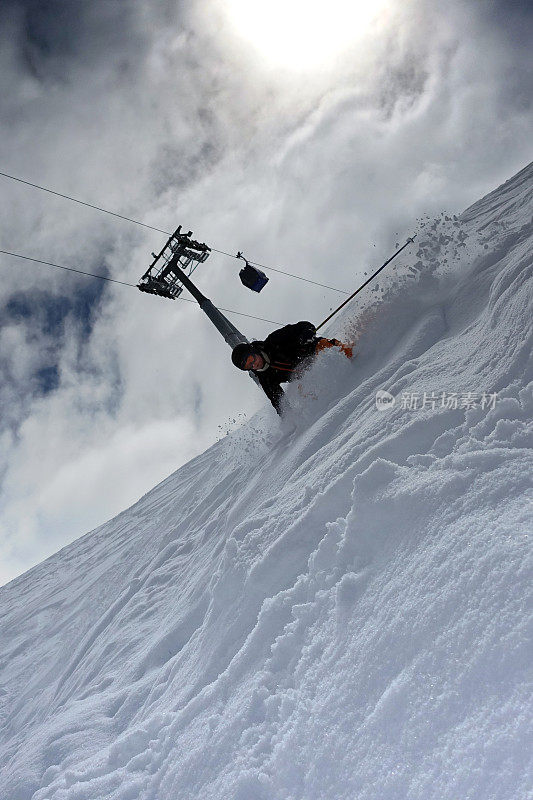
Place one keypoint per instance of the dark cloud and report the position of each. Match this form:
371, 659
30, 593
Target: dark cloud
33, 327
47, 379
45, 313
55, 35
512, 18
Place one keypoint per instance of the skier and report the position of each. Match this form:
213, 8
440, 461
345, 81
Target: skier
276, 359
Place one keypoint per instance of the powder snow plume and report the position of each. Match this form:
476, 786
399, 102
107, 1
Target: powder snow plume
330, 607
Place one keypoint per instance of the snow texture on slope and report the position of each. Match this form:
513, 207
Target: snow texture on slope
334, 606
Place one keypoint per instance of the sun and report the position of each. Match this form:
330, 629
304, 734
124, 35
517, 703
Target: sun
301, 34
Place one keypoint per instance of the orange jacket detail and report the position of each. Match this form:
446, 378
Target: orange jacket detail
324, 344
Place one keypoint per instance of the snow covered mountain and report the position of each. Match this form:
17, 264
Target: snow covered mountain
330, 607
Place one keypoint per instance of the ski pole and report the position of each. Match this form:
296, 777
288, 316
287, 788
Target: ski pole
410, 240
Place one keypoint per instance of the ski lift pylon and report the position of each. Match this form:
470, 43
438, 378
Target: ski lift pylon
181, 254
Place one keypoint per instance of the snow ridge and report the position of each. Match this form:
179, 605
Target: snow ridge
334, 606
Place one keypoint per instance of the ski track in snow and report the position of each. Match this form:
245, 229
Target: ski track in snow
333, 606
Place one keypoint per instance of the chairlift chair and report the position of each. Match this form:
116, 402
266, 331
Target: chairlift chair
251, 277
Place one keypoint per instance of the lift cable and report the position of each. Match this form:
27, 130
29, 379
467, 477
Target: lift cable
282, 272
69, 269
160, 230
124, 283
82, 203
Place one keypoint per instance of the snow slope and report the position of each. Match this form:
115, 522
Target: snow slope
332, 607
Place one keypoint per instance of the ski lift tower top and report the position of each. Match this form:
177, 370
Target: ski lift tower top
170, 271
180, 255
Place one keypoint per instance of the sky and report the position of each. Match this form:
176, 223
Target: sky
310, 136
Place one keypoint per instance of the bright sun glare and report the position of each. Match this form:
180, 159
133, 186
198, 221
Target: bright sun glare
301, 34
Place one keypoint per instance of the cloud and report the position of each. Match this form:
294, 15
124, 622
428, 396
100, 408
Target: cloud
156, 111
94, 482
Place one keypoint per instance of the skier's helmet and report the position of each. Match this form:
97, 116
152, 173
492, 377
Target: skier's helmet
241, 353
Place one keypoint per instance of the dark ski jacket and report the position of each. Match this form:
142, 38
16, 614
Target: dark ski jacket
285, 349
